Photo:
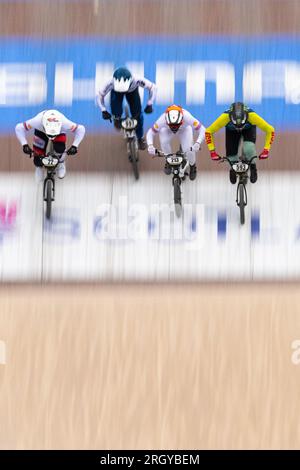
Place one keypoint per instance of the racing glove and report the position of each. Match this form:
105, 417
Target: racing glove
106, 115
72, 150
196, 147
27, 149
148, 109
264, 154
214, 155
151, 150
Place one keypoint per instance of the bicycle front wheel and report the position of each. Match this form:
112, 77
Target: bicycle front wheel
134, 157
48, 198
242, 202
177, 196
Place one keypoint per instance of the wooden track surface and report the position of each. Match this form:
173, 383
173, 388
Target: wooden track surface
107, 152
149, 367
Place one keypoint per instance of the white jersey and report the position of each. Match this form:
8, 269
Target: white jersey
188, 121
135, 83
37, 123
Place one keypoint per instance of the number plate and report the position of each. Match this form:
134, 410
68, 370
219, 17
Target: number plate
174, 160
50, 161
240, 167
129, 124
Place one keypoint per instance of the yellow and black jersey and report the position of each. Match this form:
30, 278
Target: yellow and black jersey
253, 120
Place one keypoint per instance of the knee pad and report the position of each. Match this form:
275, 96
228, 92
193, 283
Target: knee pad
37, 161
233, 158
249, 149
191, 156
59, 147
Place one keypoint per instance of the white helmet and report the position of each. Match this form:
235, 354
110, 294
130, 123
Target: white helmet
174, 117
122, 79
52, 123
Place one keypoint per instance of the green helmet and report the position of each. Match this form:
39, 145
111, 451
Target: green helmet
238, 114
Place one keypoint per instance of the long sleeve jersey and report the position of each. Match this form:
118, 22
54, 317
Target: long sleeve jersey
36, 122
188, 120
136, 82
253, 120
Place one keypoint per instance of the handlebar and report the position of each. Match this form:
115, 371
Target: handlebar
158, 153
121, 118
49, 154
226, 159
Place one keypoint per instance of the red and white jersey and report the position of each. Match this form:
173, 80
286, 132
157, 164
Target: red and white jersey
188, 121
37, 123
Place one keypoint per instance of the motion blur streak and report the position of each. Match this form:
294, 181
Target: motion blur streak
168, 365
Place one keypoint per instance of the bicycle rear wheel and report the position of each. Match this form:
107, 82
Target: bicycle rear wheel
134, 157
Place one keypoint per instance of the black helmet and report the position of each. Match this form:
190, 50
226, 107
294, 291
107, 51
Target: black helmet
238, 114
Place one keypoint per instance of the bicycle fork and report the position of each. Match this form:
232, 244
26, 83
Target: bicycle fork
180, 172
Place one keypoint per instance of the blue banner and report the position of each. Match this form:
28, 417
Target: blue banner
203, 74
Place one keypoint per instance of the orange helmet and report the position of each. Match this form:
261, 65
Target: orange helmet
174, 117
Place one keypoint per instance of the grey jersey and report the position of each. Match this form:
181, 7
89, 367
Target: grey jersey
136, 82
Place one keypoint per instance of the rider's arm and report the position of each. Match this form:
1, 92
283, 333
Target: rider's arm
151, 87
220, 122
150, 136
77, 129
256, 120
195, 124
20, 130
154, 130
79, 134
201, 134
102, 93
28, 127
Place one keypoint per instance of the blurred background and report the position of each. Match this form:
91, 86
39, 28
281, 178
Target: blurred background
166, 333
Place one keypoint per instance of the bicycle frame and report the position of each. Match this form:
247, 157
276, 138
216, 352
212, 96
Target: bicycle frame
128, 126
50, 161
241, 169
177, 162
50, 176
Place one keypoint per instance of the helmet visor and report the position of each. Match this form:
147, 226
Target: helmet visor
122, 85
174, 119
238, 122
52, 123
238, 115
174, 127
52, 129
